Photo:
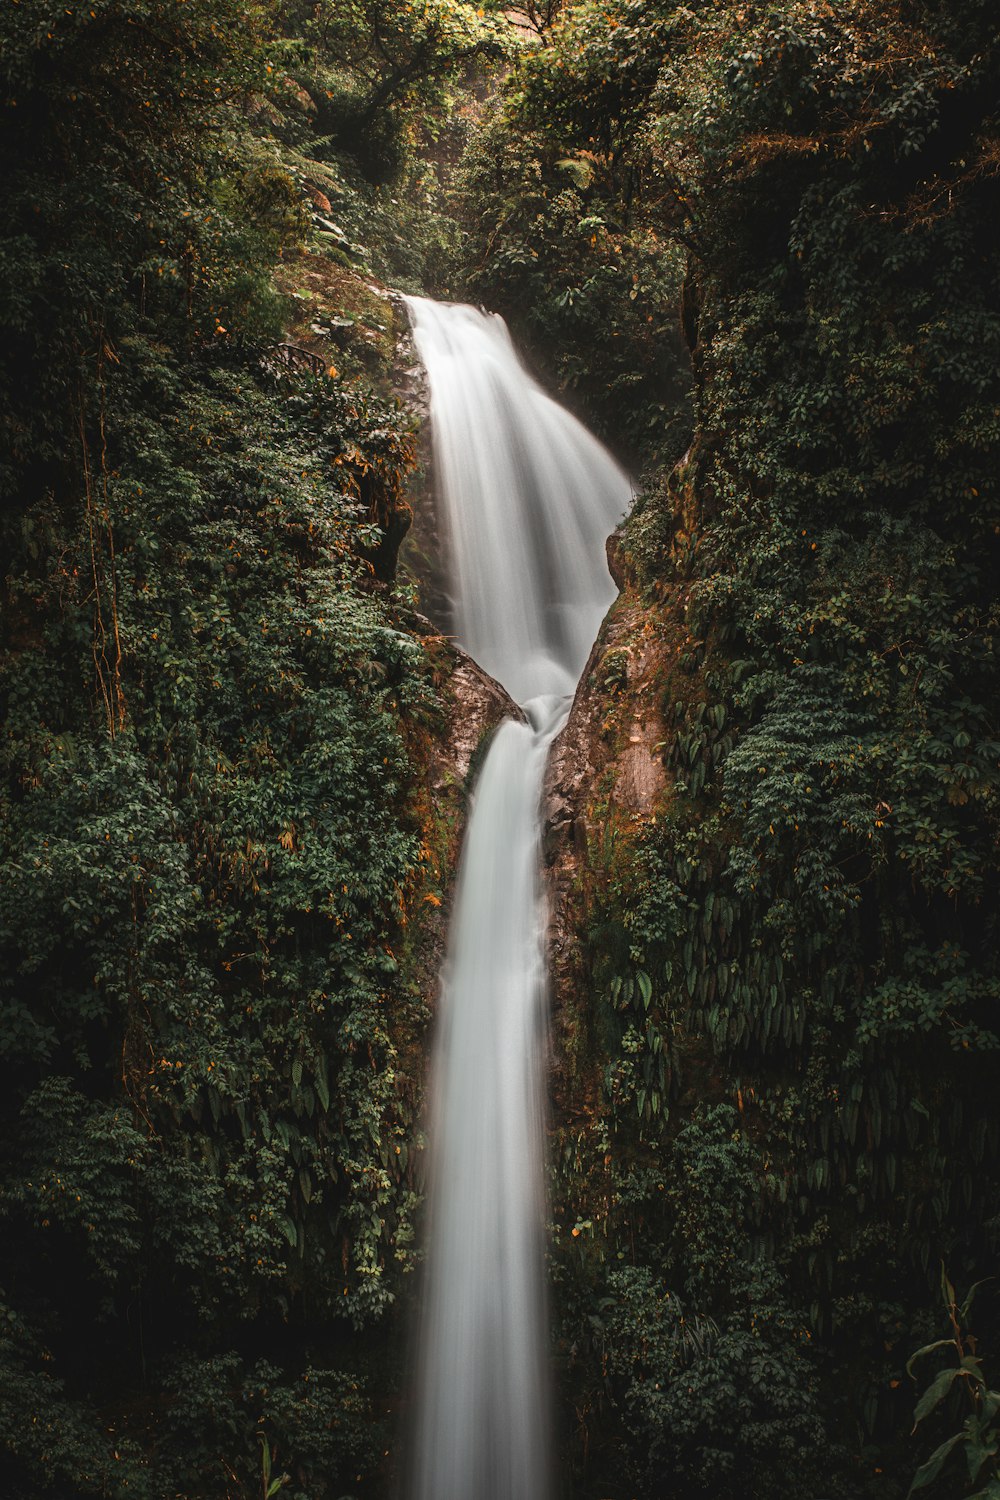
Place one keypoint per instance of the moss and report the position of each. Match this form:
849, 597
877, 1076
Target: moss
322, 294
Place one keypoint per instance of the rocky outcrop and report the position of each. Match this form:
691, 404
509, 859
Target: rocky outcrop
448, 749
605, 779
475, 704
342, 323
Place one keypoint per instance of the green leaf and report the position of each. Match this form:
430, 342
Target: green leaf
976, 1454
580, 171
935, 1394
970, 1364
322, 1090
929, 1471
947, 1290
928, 1349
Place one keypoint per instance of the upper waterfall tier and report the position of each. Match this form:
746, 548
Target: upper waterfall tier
528, 498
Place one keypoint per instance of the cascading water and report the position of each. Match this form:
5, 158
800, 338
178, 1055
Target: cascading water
528, 498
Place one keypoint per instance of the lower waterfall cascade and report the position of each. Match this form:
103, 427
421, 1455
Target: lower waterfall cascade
527, 499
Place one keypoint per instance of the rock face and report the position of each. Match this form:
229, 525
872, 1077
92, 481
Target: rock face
475, 705
448, 752
479, 704
605, 779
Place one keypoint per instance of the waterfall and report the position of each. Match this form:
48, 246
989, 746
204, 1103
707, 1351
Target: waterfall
527, 500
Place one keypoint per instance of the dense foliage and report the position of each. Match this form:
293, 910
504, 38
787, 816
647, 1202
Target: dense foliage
562, 238
793, 1036
208, 843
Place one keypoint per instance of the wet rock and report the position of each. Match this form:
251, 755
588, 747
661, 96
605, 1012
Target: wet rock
479, 704
448, 755
327, 226
616, 559
605, 776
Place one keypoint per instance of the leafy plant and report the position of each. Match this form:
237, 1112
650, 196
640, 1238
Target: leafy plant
978, 1439
269, 1486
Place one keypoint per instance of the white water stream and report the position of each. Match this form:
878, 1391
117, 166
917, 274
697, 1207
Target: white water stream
527, 498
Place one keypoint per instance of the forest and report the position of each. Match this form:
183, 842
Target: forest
753, 245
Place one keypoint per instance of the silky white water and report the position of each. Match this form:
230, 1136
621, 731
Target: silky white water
527, 499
